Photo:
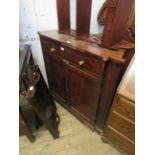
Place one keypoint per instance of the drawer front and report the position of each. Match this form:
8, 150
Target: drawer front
124, 107
84, 61
120, 141
124, 126
81, 60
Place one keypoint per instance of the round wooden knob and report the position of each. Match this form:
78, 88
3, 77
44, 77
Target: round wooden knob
81, 62
52, 49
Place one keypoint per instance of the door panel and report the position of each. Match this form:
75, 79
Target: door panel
56, 71
84, 93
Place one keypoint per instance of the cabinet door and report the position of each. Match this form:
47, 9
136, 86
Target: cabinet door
84, 93
56, 72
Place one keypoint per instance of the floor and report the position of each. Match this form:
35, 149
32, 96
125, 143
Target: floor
75, 139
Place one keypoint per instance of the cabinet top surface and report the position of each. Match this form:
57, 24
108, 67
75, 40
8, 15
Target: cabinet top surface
85, 46
127, 85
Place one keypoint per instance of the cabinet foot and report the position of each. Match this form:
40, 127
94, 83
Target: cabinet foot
104, 140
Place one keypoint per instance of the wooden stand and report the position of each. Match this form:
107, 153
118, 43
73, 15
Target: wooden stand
24, 128
42, 102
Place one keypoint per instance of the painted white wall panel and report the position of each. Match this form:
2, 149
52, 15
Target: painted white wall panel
28, 22
37, 55
73, 14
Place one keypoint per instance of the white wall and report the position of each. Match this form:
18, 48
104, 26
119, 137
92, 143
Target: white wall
37, 15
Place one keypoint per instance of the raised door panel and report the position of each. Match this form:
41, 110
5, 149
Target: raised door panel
84, 93
56, 72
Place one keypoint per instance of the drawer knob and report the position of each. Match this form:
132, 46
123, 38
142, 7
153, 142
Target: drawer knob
62, 48
65, 61
81, 62
68, 42
52, 49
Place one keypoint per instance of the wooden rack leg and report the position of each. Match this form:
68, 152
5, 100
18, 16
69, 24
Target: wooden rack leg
51, 120
42, 102
38, 122
24, 128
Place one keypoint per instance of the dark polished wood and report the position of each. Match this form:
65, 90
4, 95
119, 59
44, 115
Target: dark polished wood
118, 12
24, 128
110, 82
129, 33
120, 126
83, 17
25, 61
57, 78
82, 46
84, 91
63, 12
42, 102
36, 91
84, 61
128, 57
82, 76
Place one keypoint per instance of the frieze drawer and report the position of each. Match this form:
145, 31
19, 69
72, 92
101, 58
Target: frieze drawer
84, 61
